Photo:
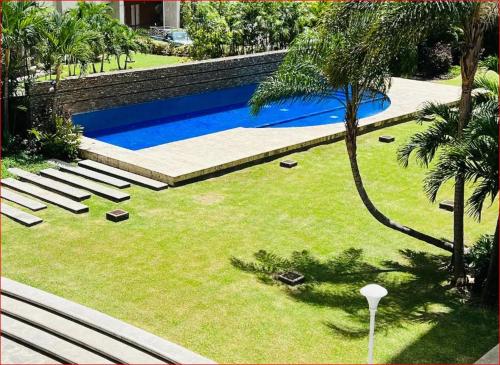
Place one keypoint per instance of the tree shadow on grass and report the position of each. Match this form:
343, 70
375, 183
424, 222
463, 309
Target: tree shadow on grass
417, 293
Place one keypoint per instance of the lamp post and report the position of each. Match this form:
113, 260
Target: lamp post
373, 294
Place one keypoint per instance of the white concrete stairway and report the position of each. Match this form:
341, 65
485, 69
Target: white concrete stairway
67, 332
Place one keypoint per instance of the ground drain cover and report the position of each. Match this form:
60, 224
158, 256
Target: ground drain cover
386, 139
117, 215
288, 164
291, 278
447, 205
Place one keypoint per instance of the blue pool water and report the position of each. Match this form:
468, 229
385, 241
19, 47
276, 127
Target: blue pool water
150, 124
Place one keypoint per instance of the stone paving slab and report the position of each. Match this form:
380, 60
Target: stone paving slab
67, 329
196, 157
50, 184
19, 216
97, 189
45, 195
49, 343
21, 200
90, 174
125, 175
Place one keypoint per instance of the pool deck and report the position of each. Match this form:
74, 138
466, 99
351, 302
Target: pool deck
183, 161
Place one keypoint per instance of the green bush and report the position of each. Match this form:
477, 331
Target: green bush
61, 141
435, 60
478, 259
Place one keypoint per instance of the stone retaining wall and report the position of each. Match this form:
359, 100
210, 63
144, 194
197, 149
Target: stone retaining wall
101, 91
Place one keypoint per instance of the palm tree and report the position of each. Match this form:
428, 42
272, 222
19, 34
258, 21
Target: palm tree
404, 23
398, 25
19, 36
337, 57
475, 157
98, 16
66, 36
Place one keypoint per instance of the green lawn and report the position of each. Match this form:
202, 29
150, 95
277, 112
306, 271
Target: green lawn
456, 80
190, 265
141, 60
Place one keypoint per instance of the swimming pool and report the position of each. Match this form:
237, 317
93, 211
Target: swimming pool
158, 122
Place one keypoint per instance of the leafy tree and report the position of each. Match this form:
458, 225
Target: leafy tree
20, 36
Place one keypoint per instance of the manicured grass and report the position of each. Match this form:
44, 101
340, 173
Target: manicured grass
186, 264
456, 80
27, 162
141, 60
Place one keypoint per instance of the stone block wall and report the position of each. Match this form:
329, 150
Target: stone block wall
101, 91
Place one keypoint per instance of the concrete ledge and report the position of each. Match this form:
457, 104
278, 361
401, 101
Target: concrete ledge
118, 329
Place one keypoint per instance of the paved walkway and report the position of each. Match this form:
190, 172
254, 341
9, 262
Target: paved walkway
192, 158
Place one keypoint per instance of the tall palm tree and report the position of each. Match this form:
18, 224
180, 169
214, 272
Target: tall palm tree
406, 23
475, 157
19, 35
337, 57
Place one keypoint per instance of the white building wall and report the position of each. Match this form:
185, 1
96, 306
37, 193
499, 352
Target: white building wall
171, 10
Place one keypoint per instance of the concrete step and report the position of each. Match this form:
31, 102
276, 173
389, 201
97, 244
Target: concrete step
125, 175
90, 174
13, 352
57, 187
45, 195
21, 200
46, 342
79, 182
19, 216
74, 332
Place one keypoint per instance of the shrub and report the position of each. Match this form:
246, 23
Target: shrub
435, 60
61, 141
478, 260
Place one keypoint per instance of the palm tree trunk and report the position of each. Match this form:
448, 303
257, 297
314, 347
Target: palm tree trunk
469, 60
5, 94
489, 296
350, 139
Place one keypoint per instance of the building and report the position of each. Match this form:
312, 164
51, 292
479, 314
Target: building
137, 14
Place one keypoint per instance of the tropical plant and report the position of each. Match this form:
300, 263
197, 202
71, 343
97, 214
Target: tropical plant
67, 37
60, 140
475, 157
20, 36
490, 63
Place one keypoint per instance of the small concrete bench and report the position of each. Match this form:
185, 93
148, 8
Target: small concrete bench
45, 195
125, 175
49, 184
19, 216
21, 200
97, 189
90, 174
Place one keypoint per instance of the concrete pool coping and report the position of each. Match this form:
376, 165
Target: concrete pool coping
208, 155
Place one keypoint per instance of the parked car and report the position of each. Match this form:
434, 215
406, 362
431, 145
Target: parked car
174, 36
